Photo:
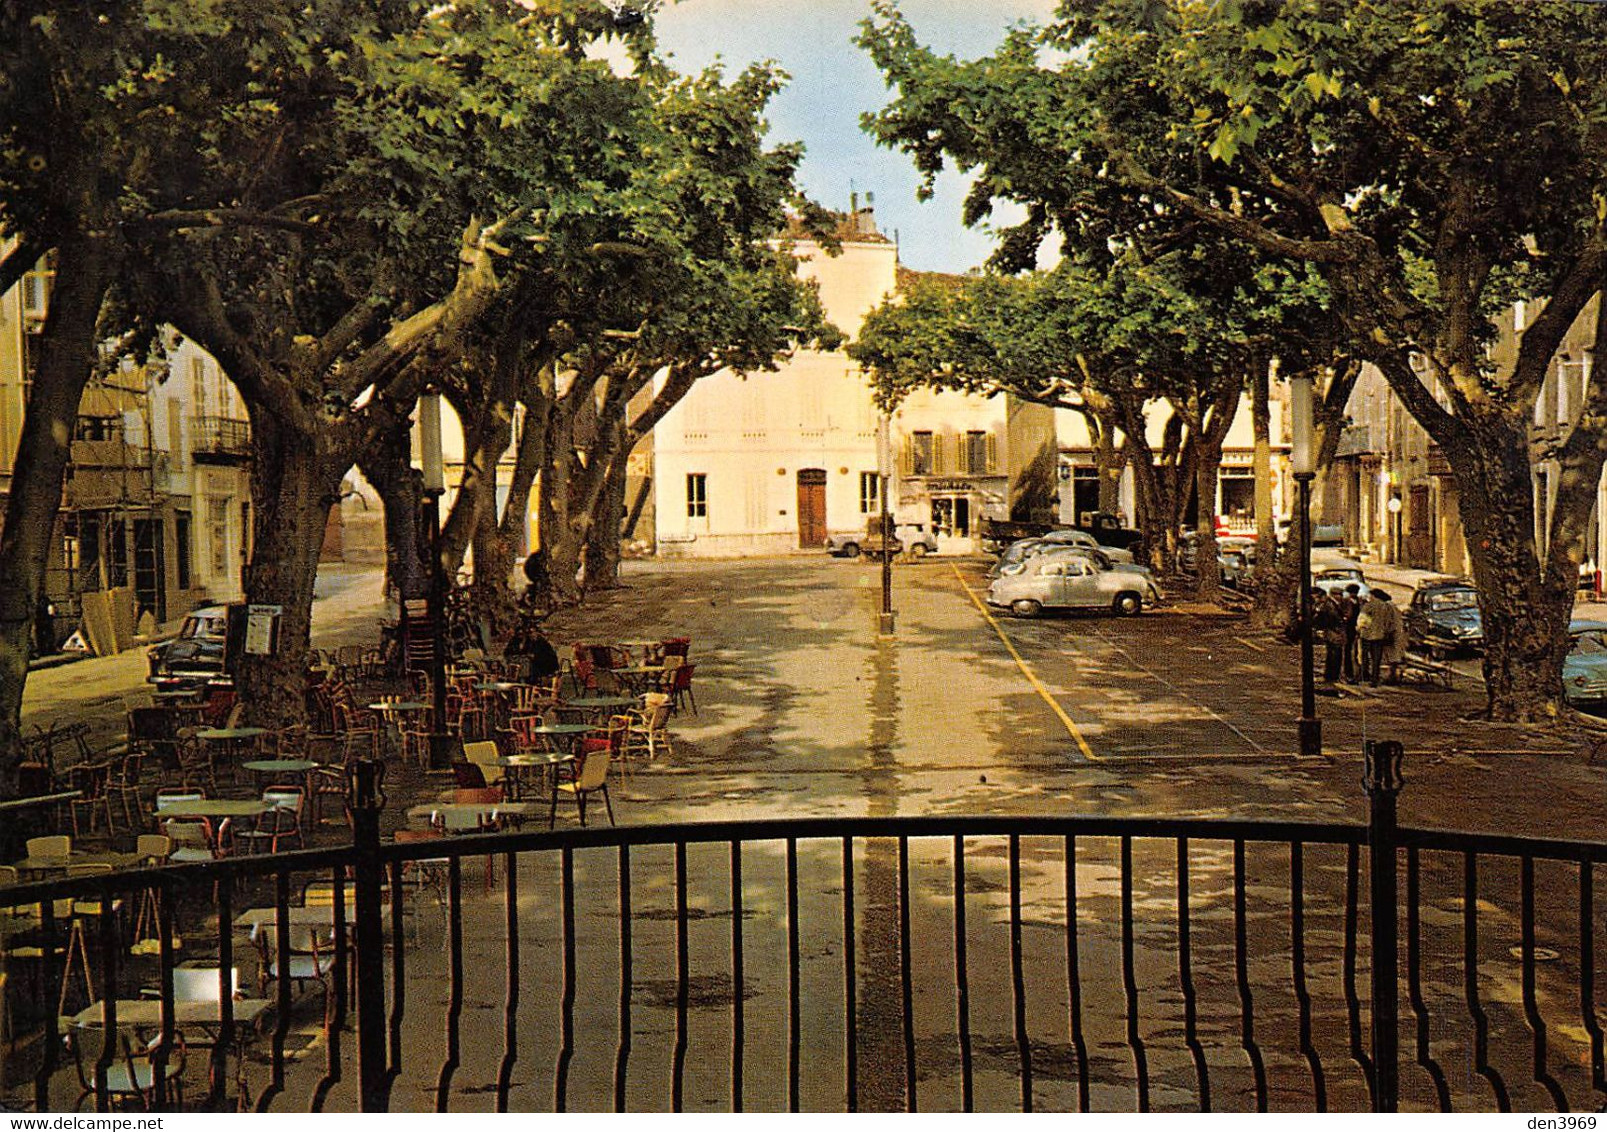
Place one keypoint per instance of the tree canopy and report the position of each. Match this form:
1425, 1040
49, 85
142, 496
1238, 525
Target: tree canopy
1429, 161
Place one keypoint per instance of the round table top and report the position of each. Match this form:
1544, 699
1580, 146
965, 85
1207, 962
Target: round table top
62, 864
398, 705
499, 686
639, 669
273, 766
230, 732
599, 702
214, 808
559, 728
536, 758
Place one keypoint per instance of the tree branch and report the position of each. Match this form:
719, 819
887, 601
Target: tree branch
200, 315
18, 262
182, 218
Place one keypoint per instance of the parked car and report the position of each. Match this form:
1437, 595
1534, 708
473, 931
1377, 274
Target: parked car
1016, 553
1235, 561
1339, 578
1331, 571
1584, 669
914, 536
1443, 618
1072, 578
199, 655
1073, 537
1322, 534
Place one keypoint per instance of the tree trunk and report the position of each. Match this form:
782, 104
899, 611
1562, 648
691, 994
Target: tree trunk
602, 548
1262, 615
487, 435
1525, 612
1208, 573
1109, 460
526, 467
294, 483
562, 532
387, 464
85, 267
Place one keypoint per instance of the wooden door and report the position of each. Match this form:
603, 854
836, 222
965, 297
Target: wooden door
811, 507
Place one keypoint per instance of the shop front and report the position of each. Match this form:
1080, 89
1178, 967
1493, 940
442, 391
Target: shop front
953, 509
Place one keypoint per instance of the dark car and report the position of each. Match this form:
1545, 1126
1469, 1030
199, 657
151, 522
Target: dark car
1443, 618
198, 656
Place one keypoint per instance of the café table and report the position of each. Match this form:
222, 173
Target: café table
495, 695
394, 713
547, 762
47, 864
561, 732
468, 817
302, 915
639, 675
147, 1012
232, 739
214, 808
598, 705
265, 770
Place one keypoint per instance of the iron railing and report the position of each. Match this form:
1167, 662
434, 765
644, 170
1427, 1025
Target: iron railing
900, 963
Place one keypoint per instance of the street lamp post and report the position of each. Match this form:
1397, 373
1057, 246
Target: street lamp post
429, 420
884, 471
1303, 460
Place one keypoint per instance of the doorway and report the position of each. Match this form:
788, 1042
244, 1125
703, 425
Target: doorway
951, 523
811, 508
150, 568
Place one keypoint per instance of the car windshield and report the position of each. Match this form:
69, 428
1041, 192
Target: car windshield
208, 628
1453, 599
1340, 576
1592, 642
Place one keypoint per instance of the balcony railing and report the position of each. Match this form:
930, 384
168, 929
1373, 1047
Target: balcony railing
222, 436
888, 963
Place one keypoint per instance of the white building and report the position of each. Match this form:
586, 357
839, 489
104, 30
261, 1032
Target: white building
773, 462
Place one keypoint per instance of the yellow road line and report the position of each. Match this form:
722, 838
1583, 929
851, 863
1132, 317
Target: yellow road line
1026, 669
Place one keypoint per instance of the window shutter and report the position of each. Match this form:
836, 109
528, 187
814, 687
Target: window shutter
993, 453
906, 459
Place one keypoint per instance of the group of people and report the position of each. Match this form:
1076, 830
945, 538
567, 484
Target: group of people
1362, 638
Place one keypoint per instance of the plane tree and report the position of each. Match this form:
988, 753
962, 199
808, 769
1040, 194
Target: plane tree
97, 102
435, 152
703, 285
1431, 162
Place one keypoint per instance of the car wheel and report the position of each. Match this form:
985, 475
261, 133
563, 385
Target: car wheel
1025, 607
918, 550
1128, 604
851, 550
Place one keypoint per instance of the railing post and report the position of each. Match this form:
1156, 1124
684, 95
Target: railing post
1383, 781
369, 952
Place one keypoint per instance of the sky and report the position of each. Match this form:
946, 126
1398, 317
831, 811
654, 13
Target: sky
833, 82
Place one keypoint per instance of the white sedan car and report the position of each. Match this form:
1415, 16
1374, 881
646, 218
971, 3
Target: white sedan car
1072, 580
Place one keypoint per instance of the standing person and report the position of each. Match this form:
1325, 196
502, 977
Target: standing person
1394, 642
1328, 620
1376, 626
1353, 603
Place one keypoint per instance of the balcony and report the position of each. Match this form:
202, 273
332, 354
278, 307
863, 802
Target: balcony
221, 440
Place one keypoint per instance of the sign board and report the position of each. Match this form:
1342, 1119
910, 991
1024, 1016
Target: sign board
262, 629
